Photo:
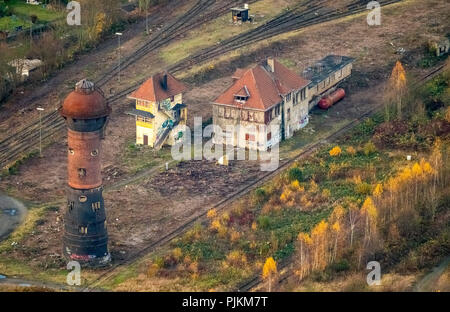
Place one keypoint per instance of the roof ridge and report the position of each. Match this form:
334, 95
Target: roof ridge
257, 86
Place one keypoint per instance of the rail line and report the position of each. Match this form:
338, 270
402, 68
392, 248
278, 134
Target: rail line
18, 144
256, 281
223, 204
305, 14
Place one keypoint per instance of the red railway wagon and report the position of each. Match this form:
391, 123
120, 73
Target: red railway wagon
329, 100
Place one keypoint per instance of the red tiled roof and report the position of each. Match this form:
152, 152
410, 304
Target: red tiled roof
265, 87
238, 73
152, 89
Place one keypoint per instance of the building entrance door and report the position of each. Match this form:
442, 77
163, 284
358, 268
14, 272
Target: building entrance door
145, 140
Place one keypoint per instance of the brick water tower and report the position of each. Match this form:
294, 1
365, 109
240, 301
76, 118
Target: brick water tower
86, 112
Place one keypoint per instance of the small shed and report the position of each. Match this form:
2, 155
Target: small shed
240, 14
440, 46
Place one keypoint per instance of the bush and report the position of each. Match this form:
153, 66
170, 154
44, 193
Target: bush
260, 196
295, 174
363, 188
336, 151
369, 148
264, 222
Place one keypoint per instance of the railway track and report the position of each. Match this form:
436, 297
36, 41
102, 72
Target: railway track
256, 281
307, 13
20, 143
223, 204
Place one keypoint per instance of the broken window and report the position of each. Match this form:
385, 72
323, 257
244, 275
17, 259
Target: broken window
70, 205
71, 151
81, 172
288, 114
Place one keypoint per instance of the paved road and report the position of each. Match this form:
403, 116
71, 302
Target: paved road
12, 212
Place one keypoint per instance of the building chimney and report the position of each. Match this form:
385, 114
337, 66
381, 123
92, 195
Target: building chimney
271, 64
164, 81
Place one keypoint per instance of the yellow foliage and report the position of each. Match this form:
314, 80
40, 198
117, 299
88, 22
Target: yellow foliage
236, 257
269, 268
304, 237
398, 77
177, 253
100, 23
417, 170
254, 226
225, 217
320, 229
215, 225
295, 186
369, 208
326, 193
351, 150
212, 213
335, 151
378, 191
234, 236
338, 213
314, 187
285, 196
336, 227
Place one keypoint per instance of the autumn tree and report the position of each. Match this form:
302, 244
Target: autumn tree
395, 91
269, 271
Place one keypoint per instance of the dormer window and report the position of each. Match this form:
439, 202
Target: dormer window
242, 96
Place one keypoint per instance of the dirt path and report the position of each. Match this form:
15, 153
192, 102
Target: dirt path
428, 281
12, 212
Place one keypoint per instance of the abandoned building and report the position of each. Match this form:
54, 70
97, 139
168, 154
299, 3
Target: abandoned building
326, 75
261, 97
439, 46
86, 112
240, 14
159, 110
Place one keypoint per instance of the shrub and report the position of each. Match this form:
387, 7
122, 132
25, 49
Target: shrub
212, 213
264, 222
295, 174
335, 151
369, 148
351, 151
260, 196
363, 188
